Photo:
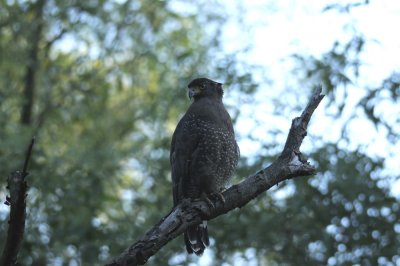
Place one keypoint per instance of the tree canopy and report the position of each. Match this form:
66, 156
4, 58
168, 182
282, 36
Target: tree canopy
101, 84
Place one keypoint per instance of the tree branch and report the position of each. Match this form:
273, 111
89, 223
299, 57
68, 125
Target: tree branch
291, 163
17, 186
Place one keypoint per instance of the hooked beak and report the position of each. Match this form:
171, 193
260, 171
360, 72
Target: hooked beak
190, 93
193, 92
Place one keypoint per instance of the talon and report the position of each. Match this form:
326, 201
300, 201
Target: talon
207, 200
218, 196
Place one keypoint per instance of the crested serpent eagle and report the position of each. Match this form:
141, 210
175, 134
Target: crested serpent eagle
204, 153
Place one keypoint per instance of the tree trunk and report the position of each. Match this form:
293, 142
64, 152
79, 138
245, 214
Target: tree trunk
32, 63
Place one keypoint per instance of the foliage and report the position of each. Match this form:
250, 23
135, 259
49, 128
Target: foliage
108, 89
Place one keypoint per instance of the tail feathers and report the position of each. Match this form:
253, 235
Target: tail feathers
196, 239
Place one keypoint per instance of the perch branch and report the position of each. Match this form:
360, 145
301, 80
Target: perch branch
17, 186
291, 163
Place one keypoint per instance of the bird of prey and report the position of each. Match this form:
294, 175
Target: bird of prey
204, 153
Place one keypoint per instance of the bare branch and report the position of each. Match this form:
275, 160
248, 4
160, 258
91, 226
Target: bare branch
17, 186
291, 163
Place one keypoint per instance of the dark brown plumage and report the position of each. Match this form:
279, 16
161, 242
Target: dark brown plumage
204, 153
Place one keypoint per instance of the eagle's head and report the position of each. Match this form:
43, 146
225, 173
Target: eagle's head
204, 87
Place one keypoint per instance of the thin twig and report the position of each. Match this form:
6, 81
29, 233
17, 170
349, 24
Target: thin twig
27, 157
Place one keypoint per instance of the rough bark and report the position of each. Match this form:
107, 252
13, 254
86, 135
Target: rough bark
291, 163
17, 187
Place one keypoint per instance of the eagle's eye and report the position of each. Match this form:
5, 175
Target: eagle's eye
199, 87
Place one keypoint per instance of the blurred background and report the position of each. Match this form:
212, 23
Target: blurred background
101, 84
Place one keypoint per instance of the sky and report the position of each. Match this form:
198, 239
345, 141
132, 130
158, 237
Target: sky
275, 30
